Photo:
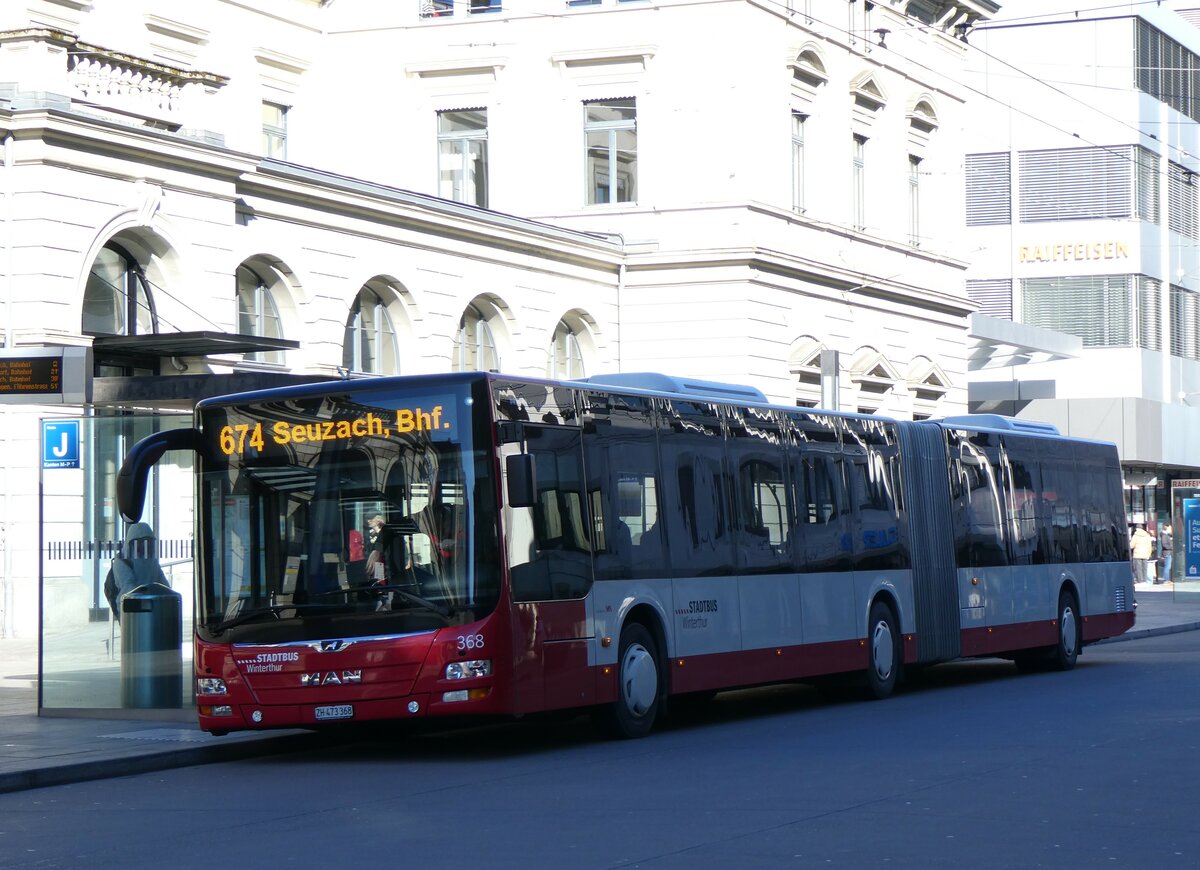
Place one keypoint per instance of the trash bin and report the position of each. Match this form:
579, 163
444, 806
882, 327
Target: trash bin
151, 647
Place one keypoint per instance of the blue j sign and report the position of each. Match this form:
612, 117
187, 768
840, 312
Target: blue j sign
60, 444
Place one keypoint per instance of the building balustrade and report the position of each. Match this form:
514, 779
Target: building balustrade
109, 82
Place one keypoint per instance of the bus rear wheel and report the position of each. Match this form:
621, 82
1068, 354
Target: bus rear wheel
883, 651
1066, 650
639, 687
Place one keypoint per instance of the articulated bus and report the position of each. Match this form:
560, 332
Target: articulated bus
475, 544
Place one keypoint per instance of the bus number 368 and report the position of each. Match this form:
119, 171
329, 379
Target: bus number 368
470, 641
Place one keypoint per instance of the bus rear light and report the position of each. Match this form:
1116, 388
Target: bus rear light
466, 695
222, 710
469, 669
210, 686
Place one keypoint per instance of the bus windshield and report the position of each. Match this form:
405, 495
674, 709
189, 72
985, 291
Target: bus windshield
348, 514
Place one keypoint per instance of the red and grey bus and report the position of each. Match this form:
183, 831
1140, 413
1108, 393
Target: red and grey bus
478, 544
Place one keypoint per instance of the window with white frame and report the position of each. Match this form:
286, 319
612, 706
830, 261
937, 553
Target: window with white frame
257, 312
610, 128
804, 362
798, 121
914, 201
463, 156
274, 130
566, 354
117, 298
858, 185
370, 344
475, 346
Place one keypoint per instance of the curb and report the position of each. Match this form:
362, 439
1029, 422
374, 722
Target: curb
149, 762
1150, 632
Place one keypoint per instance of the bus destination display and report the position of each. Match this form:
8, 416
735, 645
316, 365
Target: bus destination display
432, 421
30, 375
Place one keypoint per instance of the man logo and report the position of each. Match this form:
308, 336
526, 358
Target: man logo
331, 678
331, 645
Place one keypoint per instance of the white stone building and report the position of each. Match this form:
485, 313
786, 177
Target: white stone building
220, 194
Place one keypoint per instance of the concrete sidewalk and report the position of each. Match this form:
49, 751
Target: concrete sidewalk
38, 751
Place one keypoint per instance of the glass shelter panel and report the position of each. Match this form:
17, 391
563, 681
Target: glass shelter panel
94, 655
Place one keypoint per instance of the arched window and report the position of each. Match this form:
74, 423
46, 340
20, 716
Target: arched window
476, 343
566, 355
117, 300
257, 313
370, 344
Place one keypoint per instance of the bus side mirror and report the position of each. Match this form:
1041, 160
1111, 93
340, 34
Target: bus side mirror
135, 470
522, 482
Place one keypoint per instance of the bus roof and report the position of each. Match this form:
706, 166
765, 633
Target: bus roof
999, 422
656, 382
648, 383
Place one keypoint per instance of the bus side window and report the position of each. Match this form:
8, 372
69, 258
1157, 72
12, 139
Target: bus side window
1025, 514
621, 458
1060, 496
983, 501
555, 562
762, 526
818, 487
1097, 522
696, 494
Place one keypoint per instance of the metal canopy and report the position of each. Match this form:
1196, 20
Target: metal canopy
202, 343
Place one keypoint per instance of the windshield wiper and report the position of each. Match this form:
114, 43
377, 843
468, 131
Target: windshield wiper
402, 591
412, 598
269, 610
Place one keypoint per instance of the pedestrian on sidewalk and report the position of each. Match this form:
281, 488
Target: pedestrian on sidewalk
1166, 546
1141, 546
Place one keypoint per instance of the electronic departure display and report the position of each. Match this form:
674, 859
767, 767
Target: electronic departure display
37, 374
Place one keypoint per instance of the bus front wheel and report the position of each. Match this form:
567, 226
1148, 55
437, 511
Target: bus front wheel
639, 687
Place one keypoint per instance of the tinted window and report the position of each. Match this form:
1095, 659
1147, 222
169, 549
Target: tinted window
1060, 494
621, 459
762, 525
819, 493
1026, 513
1102, 530
872, 469
696, 501
552, 560
980, 500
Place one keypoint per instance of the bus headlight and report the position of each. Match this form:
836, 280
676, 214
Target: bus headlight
210, 686
469, 669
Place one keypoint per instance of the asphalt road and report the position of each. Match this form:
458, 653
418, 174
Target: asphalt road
975, 767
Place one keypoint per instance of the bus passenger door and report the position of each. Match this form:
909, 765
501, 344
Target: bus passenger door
550, 571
